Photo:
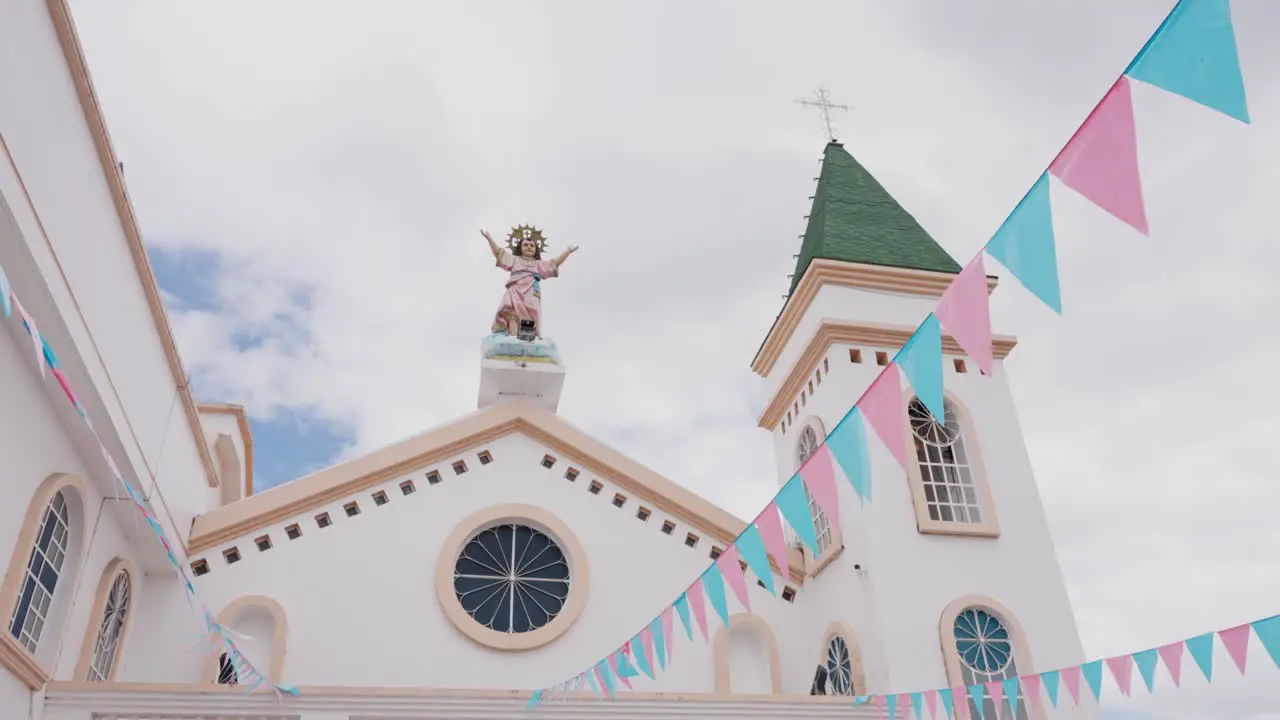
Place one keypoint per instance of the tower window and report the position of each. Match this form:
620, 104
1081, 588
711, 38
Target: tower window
459, 467
548, 461
200, 567
619, 500
323, 520
263, 542
433, 478
960, 366
855, 355
351, 509
595, 487
789, 594
668, 527
231, 555
293, 532
571, 474
485, 457
691, 540
407, 488
643, 514
380, 498
716, 552
826, 366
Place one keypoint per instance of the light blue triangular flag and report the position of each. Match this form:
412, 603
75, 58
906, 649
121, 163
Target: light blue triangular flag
848, 443
1049, 681
1201, 649
1011, 693
533, 699
1268, 632
713, 584
642, 662
975, 696
625, 670
921, 361
917, 703
1193, 54
794, 505
606, 674
1092, 672
659, 641
5, 292
751, 548
591, 680
1024, 244
682, 609
861, 700
892, 701
945, 695
1146, 662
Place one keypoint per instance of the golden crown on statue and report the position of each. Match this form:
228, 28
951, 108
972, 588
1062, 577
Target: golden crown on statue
521, 233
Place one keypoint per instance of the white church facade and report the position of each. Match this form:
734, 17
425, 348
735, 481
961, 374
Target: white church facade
396, 585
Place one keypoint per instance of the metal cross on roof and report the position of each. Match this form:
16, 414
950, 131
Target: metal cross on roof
822, 101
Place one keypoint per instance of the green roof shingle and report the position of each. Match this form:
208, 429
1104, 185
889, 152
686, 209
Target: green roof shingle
856, 220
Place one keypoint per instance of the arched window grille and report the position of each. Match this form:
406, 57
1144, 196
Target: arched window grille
107, 647
41, 578
946, 471
985, 647
839, 667
227, 674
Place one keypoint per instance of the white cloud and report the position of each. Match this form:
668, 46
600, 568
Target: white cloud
346, 157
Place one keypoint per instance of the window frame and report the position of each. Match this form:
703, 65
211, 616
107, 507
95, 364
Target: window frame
816, 564
990, 525
1021, 655
89, 646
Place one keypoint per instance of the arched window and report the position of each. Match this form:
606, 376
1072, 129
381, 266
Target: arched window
114, 608
842, 661
945, 470
746, 658
807, 443
44, 569
261, 634
982, 643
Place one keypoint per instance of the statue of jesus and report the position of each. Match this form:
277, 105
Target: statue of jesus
522, 257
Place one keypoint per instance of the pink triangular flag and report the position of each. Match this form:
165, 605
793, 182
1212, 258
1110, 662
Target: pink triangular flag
995, 689
960, 699
668, 639
61, 377
1031, 688
1122, 670
731, 571
965, 312
904, 702
1071, 678
819, 476
34, 332
931, 702
1171, 654
646, 647
775, 543
1101, 160
878, 701
698, 605
884, 408
1236, 641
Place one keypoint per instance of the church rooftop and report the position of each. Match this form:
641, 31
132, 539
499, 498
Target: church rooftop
856, 220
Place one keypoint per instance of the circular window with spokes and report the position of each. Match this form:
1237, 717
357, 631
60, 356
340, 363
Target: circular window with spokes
512, 577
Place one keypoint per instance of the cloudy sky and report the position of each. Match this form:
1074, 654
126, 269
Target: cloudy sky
311, 177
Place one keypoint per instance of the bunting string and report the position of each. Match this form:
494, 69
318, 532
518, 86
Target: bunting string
1192, 54
215, 635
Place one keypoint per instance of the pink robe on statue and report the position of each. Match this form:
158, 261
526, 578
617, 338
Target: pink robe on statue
523, 298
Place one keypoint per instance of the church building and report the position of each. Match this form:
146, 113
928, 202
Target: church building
453, 573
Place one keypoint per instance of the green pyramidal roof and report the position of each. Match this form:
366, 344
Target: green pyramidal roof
855, 219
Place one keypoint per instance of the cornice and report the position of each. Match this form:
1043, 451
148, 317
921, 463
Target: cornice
845, 274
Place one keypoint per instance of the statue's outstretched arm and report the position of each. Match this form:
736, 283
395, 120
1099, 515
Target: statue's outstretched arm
559, 259
493, 246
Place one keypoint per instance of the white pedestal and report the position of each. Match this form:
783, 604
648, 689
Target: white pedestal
506, 380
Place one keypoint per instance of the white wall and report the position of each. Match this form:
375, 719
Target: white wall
85, 267
911, 577
34, 444
15, 698
361, 601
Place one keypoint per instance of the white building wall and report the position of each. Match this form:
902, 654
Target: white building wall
15, 698
908, 578
34, 444
339, 635
83, 259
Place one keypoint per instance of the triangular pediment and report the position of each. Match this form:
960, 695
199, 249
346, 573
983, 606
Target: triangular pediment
446, 441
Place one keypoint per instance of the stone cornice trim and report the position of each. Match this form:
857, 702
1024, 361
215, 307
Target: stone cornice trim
845, 274
832, 331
